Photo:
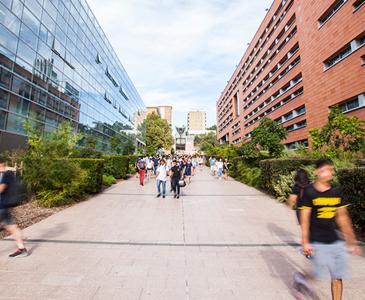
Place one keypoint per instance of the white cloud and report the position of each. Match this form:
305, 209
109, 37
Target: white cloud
180, 52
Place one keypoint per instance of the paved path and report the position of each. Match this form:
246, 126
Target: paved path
222, 240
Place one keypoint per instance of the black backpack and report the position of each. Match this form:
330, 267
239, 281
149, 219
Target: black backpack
16, 194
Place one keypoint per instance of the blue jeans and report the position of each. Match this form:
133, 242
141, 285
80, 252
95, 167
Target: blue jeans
163, 187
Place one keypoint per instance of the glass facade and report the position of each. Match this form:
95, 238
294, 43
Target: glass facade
57, 65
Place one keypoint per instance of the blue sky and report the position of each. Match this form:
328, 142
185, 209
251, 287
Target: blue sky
180, 52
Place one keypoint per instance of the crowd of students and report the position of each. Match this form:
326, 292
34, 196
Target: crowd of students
176, 169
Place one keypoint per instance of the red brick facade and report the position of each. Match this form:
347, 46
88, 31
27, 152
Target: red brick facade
306, 57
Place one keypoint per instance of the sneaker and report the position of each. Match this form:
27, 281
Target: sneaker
163, 196
174, 196
159, 195
19, 253
178, 196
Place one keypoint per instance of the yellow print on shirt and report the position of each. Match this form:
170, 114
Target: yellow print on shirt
326, 201
326, 212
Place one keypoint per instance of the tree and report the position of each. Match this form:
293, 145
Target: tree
268, 136
214, 127
206, 141
158, 134
340, 134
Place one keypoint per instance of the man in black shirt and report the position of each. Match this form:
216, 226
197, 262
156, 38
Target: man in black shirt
176, 174
323, 211
7, 178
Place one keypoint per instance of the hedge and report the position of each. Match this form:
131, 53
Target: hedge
117, 166
271, 169
352, 182
94, 168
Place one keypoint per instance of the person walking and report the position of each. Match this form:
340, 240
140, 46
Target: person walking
324, 213
188, 170
150, 165
155, 165
225, 168
176, 174
7, 179
161, 175
301, 180
141, 166
219, 166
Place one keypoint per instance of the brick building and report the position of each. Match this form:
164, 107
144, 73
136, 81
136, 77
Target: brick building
306, 57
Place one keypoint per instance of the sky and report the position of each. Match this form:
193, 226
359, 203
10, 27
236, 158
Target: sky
180, 52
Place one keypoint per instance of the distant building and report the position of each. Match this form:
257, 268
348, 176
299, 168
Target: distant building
305, 58
197, 121
165, 112
56, 65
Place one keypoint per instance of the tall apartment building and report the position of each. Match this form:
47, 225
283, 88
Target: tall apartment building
197, 121
306, 57
56, 65
165, 112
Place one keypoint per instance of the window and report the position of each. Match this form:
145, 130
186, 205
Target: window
3, 115
5, 78
8, 40
353, 103
236, 100
9, 20
345, 51
331, 11
358, 3
4, 98
338, 57
16, 124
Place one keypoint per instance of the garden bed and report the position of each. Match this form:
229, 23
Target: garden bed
30, 213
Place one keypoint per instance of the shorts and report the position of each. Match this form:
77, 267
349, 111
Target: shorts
330, 257
5, 217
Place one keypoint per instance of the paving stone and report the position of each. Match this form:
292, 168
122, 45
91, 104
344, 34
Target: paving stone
221, 240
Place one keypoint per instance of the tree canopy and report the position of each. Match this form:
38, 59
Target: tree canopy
340, 134
158, 134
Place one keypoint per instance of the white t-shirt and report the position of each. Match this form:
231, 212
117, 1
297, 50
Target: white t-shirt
162, 173
220, 165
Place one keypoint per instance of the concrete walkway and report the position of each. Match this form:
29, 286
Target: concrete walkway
221, 240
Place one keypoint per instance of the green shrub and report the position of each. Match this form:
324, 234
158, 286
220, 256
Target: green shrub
352, 182
272, 169
132, 164
248, 174
94, 173
117, 166
108, 180
284, 186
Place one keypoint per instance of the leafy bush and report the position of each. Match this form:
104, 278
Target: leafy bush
248, 174
272, 169
352, 182
108, 180
132, 164
284, 186
117, 166
94, 173
65, 195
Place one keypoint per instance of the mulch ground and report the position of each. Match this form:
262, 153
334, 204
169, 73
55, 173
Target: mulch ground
30, 213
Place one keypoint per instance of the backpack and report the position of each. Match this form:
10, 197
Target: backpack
142, 164
16, 194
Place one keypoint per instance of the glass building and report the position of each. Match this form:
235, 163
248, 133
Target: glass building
56, 65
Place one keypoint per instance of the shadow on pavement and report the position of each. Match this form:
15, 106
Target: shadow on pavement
53, 232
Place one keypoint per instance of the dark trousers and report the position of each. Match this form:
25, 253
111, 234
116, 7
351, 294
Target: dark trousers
175, 186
